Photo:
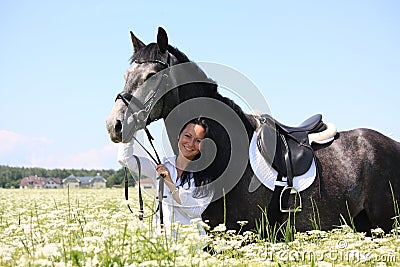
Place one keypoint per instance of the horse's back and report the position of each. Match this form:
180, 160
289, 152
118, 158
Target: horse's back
361, 166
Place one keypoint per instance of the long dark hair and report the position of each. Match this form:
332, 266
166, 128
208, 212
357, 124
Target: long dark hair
201, 178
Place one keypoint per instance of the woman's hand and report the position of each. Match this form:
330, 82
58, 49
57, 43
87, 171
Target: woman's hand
164, 172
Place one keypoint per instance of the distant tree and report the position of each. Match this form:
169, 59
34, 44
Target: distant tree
11, 176
118, 178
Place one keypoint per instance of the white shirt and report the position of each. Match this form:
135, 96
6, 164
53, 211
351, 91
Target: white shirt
190, 207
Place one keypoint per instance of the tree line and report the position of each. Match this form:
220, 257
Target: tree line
10, 177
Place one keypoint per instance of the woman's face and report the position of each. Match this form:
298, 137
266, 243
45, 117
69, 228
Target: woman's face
190, 139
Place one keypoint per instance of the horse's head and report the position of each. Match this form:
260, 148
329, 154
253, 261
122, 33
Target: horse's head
141, 100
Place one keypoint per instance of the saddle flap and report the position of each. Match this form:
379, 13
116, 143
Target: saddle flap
272, 147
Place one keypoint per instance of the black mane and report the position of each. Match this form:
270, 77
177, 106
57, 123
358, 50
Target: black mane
182, 58
151, 52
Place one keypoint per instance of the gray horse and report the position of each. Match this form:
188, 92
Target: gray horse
355, 171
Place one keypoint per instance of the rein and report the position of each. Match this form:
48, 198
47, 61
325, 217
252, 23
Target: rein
160, 178
141, 117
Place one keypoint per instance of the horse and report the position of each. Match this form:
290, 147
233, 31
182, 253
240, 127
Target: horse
357, 174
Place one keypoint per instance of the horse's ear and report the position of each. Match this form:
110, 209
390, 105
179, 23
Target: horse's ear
137, 44
162, 40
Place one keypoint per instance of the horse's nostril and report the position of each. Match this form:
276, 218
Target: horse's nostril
118, 126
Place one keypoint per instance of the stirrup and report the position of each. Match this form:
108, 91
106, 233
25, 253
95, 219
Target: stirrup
297, 193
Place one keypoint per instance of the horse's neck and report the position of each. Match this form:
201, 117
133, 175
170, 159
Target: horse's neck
201, 90
247, 121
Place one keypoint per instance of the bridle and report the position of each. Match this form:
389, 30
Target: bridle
143, 113
141, 117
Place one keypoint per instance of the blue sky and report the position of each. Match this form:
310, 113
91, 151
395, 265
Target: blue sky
62, 63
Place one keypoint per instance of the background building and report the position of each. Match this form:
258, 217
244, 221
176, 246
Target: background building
40, 182
71, 181
85, 181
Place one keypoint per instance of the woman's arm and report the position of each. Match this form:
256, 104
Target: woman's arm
183, 198
126, 159
163, 171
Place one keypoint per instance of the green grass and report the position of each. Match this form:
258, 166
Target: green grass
88, 227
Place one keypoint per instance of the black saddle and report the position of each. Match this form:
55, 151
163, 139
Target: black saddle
287, 148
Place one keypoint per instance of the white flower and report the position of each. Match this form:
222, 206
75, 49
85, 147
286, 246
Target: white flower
231, 232
219, 228
317, 233
242, 223
48, 250
395, 231
377, 232
149, 263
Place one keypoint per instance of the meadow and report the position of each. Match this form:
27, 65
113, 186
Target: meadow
93, 227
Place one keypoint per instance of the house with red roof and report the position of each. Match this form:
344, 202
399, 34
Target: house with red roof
71, 181
40, 182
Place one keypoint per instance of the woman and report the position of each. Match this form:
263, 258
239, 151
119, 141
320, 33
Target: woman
185, 184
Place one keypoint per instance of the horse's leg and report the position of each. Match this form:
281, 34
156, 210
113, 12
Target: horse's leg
379, 205
380, 171
362, 222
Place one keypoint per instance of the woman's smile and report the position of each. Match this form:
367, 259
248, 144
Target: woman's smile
187, 148
190, 139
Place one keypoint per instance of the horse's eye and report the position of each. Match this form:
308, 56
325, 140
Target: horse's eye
149, 75
127, 96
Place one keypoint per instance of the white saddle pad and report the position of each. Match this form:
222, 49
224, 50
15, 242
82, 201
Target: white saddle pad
267, 175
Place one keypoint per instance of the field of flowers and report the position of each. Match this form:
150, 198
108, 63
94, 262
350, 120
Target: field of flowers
88, 227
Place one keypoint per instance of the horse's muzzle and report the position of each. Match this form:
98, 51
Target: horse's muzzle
114, 129
123, 131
